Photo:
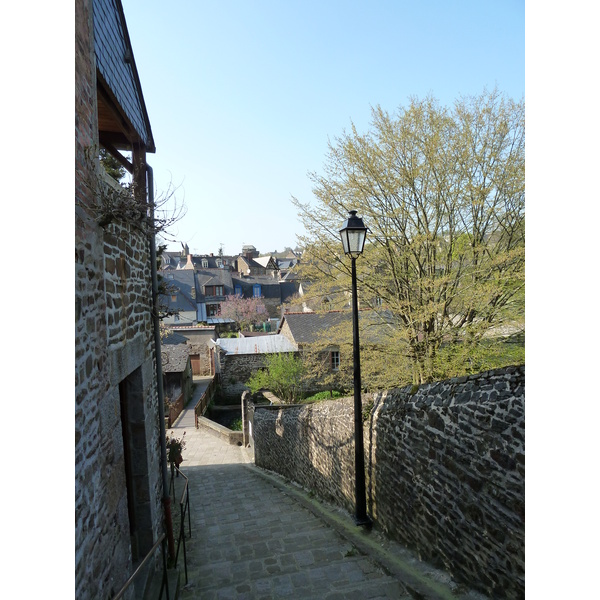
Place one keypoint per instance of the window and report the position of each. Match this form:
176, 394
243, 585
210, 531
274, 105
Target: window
205, 263
335, 360
173, 297
238, 290
212, 310
213, 290
219, 263
256, 290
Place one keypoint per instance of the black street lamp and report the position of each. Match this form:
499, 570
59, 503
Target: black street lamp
354, 234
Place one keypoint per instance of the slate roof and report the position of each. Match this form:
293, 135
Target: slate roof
267, 344
171, 260
309, 327
290, 275
215, 277
287, 263
173, 338
212, 261
185, 283
269, 287
288, 289
174, 357
116, 65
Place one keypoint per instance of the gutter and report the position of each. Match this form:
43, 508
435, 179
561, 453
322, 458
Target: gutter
159, 379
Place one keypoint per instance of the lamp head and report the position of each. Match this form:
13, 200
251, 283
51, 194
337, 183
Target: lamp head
353, 234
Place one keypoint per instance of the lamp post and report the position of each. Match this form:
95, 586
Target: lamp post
354, 234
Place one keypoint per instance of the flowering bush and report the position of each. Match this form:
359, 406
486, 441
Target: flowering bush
244, 311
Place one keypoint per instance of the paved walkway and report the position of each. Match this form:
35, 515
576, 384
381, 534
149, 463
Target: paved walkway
255, 536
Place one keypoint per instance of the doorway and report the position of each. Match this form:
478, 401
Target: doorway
136, 464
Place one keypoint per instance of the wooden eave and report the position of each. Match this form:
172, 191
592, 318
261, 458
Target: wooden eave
116, 131
113, 125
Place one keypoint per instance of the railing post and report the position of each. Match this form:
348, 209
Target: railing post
182, 533
165, 573
189, 512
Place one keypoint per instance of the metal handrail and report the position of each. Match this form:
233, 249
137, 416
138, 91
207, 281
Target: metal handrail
165, 581
184, 506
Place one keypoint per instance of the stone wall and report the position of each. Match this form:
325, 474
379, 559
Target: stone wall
115, 376
445, 469
235, 370
202, 362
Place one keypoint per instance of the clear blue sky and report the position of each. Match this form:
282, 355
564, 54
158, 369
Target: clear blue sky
243, 95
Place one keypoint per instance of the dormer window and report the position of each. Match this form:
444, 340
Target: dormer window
256, 290
219, 263
205, 263
238, 290
213, 290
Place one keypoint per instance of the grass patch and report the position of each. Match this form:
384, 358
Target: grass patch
326, 395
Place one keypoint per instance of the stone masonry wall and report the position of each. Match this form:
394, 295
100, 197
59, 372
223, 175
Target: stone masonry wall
203, 355
311, 444
113, 344
235, 370
445, 469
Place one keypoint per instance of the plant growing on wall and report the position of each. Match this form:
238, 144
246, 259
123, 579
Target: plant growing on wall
121, 203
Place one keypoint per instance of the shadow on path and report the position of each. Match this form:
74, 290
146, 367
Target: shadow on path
254, 536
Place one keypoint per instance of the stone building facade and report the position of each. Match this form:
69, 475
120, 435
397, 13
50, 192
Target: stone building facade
445, 469
118, 484
236, 359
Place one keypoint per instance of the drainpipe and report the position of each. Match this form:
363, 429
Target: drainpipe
159, 380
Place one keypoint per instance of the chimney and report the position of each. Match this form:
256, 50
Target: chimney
189, 264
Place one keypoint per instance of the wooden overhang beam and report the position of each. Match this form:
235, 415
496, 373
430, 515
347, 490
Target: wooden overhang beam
114, 152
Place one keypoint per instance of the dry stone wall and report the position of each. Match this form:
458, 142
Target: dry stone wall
445, 469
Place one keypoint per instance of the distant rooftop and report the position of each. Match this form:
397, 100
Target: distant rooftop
268, 344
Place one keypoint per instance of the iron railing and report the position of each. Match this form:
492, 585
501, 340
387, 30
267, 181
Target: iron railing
165, 581
184, 508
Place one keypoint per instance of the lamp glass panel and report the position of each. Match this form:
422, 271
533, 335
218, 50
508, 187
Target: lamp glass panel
344, 236
356, 240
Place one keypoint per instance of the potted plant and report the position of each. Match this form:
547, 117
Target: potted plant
175, 448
